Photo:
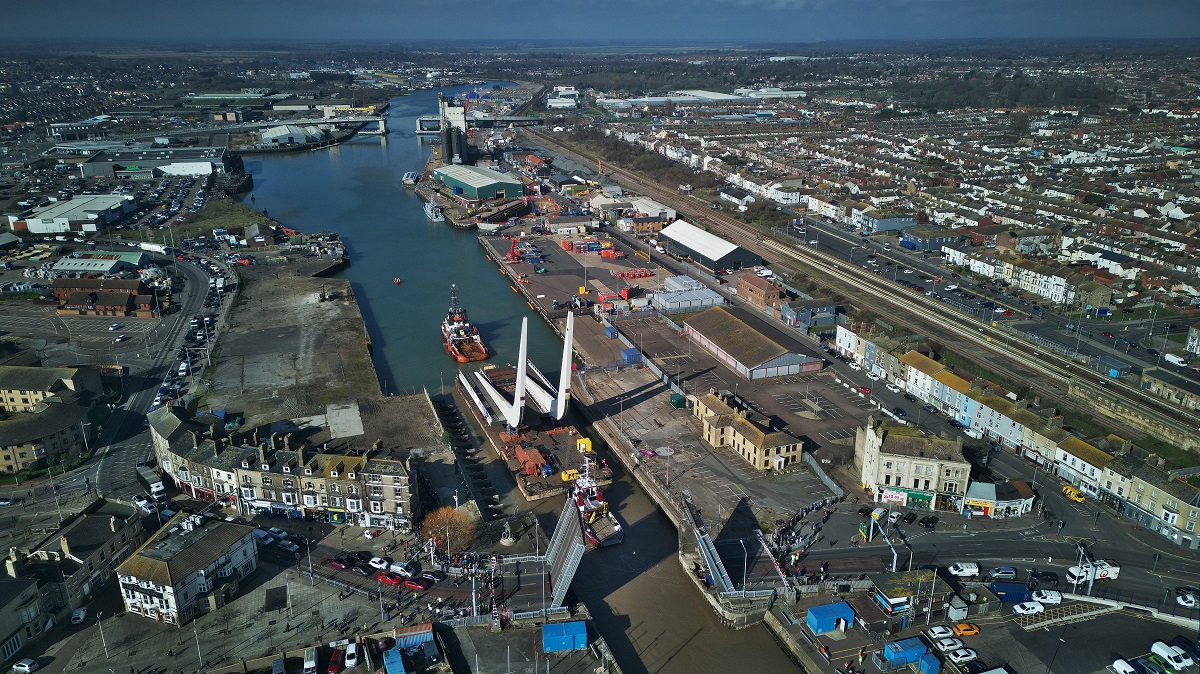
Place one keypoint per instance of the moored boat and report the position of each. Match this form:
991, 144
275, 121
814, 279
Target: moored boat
410, 179
600, 525
434, 212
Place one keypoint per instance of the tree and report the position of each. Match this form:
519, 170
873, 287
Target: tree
447, 522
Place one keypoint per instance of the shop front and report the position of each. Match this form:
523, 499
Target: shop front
285, 510
978, 507
892, 496
335, 515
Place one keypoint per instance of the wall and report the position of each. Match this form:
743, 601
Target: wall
1106, 404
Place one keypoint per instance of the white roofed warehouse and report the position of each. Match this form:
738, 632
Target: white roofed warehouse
707, 250
476, 183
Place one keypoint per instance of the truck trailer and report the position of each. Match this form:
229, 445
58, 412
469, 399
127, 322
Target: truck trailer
152, 482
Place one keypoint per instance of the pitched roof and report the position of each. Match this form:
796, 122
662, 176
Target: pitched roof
707, 245
1089, 453
745, 344
174, 553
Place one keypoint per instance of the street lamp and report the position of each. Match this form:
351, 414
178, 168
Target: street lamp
102, 639
745, 563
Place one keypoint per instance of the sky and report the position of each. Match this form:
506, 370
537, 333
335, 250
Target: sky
253, 23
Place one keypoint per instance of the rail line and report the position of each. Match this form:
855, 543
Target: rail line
979, 335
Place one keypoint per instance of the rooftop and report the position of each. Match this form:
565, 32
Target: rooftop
182, 547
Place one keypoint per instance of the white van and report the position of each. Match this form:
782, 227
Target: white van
1174, 655
184, 368
264, 539
964, 569
310, 660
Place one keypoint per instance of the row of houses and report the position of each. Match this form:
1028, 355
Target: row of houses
1161, 501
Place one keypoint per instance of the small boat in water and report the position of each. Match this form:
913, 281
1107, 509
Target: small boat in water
410, 179
434, 212
600, 525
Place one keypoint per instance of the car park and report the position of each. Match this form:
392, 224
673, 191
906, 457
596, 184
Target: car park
947, 645
966, 630
1028, 608
962, 656
1047, 596
939, 632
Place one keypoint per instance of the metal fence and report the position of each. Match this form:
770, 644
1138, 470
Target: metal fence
812, 463
342, 585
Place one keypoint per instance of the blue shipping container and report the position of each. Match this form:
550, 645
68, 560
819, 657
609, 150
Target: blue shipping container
610, 332
904, 652
1011, 593
631, 355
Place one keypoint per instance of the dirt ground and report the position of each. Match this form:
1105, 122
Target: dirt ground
284, 353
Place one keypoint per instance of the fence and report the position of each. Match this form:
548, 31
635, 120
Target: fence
343, 586
820, 473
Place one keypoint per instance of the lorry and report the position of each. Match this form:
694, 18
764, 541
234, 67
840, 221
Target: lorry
1175, 360
1104, 569
155, 248
152, 482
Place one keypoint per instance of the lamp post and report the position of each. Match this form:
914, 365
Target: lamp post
745, 563
102, 639
196, 631
83, 426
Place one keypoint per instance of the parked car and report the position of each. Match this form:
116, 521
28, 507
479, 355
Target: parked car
1189, 646
1028, 608
352, 655
78, 616
1044, 578
434, 576
909, 518
341, 563
928, 521
26, 665
363, 571
389, 578
939, 632
419, 584
966, 630
337, 661
962, 656
864, 390
289, 546
948, 645
359, 556
381, 563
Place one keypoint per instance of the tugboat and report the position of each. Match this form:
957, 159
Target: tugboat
600, 526
461, 337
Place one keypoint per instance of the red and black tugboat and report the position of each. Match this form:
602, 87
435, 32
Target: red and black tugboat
461, 337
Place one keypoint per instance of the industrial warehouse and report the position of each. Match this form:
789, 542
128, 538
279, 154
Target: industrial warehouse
708, 250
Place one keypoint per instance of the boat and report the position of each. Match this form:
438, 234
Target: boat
434, 212
410, 179
600, 525
461, 336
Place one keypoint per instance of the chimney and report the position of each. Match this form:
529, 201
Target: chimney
256, 437
217, 446
262, 454
112, 523
10, 567
300, 457
287, 441
195, 440
273, 440
66, 548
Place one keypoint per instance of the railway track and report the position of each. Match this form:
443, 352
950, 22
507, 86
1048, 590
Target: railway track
957, 330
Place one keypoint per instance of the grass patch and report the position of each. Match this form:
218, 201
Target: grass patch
19, 297
1177, 457
958, 362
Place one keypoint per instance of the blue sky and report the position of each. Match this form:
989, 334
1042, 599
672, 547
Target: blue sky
678, 21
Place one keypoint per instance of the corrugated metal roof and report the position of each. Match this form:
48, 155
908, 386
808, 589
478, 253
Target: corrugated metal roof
476, 176
750, 347
708, 245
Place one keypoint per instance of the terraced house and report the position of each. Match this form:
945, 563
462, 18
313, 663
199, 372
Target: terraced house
301, 473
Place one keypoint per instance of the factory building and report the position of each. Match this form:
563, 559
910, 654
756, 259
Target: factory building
148, 163
708, 250
479, 184
85, 213
729, 336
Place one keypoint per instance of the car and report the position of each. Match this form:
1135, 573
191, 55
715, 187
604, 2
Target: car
894, 517
892, 387
947, 645
962, 656
899, 411
966, 630
930, 408
1120, 666
1152, 352
389, 578
1185, 600
963, 569
277, 532
1073, 494
289, 546
974, 667
1146, 667
78, 616
1174, 657
6, 502
359, 556
928, 521
114, 327
864, 511
434, 576
419, 584
337, 661
380, 563
363, 571
1189, 646
939, 632
864, 390
1047, 596
647, 452
1109, 335
120, 338
909, 518
353, 654
1044, 577
1028, 608
26, 665
341, 563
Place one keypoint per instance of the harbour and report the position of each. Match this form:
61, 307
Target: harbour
357, 189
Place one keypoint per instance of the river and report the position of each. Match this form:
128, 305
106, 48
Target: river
642, 601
